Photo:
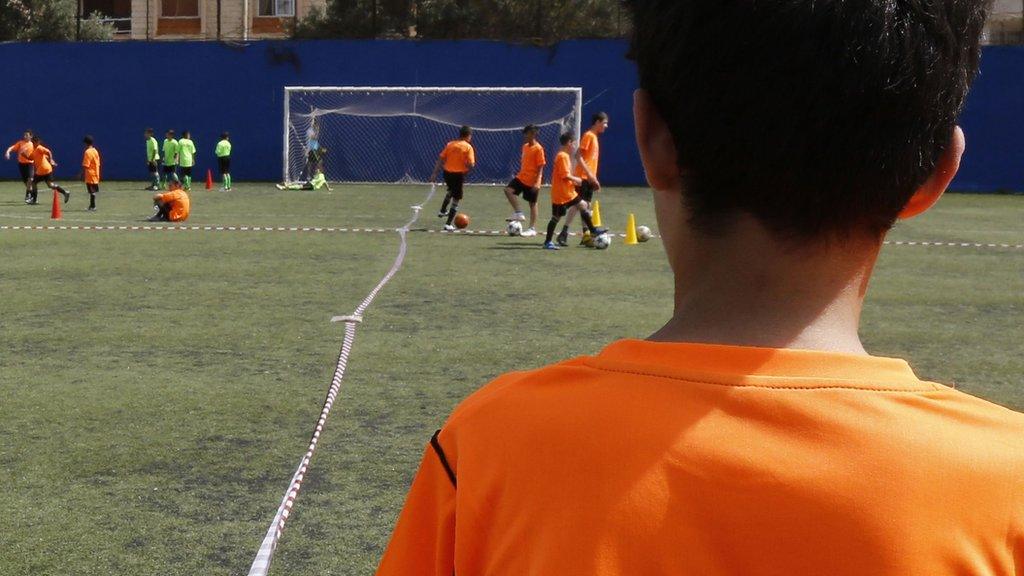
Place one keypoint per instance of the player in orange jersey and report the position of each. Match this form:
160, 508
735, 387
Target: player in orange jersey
527, 181
752, 434
22, 149
588, 156
563, 192
42, 169
171, 206
91, 171
457, 159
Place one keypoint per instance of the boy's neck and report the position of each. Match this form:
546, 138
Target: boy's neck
749, 289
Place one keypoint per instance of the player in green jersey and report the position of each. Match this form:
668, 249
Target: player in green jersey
152, 157
170, 159
319, 181
186, 158
223, 152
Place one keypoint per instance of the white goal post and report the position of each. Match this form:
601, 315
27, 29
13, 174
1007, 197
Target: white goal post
374, 134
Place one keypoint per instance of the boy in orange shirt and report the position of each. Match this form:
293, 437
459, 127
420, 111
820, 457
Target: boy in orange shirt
42, 169
588, 156
751, 435
564, 195
22, 149
171, 206
457, 159
527, 181
91, 171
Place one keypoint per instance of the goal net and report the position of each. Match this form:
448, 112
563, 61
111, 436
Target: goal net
394, 135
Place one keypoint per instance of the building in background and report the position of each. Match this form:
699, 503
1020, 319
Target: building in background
254, 19
200, 19
1005, 23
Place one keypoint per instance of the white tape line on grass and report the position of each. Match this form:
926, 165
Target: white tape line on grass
327, 229
261, 564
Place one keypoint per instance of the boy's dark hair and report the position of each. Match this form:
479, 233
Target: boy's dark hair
818, 118
149, 131
87, 140
599, 117
224, 135
530, 128
186, 134
170, 132
36, 139
465, 131
566, 138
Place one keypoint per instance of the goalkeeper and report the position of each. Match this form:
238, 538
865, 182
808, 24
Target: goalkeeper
319, 181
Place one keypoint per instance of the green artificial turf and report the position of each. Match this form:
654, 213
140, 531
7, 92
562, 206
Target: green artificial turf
158, 388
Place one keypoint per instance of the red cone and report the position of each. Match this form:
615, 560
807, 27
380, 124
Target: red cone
209, 179
55, 212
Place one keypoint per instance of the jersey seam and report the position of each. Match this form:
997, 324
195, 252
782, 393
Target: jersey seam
930, 387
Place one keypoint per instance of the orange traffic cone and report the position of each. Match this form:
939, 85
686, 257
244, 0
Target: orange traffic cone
55, 213
209, 179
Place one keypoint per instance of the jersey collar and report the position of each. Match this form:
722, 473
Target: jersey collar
764, 367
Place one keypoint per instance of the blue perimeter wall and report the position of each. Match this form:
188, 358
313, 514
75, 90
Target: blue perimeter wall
114, 90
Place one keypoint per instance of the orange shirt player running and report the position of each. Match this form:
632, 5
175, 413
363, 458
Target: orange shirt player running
22, 149
457, 158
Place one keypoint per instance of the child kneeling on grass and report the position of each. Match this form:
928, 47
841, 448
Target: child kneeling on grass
751, 435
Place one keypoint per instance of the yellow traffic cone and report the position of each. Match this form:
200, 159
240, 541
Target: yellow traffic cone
631, 230
597, 213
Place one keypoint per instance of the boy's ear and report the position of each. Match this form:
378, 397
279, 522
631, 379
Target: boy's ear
930, 192
657, 149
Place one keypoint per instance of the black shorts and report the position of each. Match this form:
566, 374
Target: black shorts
186, 171
586, 190
518, 188
48, 178
454, 182
151, 166
26, 172
224, 162
559, 210
170, 168
92, 188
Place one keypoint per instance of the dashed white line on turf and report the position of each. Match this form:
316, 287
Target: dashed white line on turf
329, 229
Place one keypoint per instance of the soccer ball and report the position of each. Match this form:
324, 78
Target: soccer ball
461, 221
602, 242
643, 233
514, 228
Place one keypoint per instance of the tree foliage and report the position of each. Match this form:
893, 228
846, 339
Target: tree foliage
542, 21
49, 20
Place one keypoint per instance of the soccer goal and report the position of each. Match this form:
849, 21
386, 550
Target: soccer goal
365, 134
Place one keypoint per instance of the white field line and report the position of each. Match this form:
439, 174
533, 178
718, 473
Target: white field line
332, 229
261, 564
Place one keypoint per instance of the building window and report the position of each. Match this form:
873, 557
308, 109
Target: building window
277, 7
179, 8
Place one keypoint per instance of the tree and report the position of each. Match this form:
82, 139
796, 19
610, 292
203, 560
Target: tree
542, 21
53, 20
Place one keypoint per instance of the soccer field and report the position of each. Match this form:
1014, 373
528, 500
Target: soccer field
159, 385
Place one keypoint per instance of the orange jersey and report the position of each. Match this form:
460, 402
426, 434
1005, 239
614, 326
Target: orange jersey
458, 156
179, 204
668, 459
23, 150
562, 189
590, 150
531, 165
41, 158
91, 165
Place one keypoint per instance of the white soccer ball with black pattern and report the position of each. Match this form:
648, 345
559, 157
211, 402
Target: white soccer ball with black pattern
514, 228
643, 233
603, 241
